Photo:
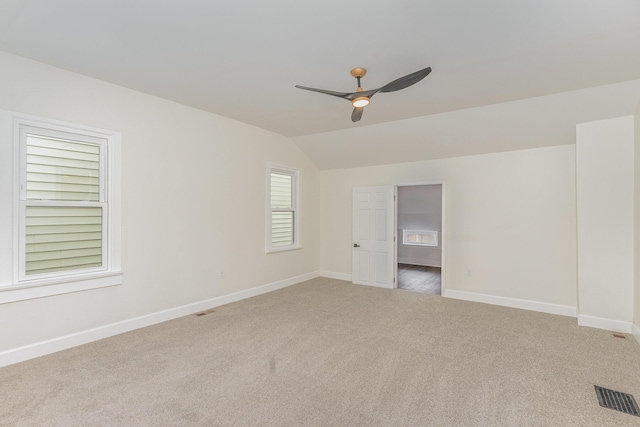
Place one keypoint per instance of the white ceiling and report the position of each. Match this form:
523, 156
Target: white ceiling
241, 59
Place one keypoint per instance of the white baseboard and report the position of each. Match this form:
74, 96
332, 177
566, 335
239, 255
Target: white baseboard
636, 332
42, 348
544, 307
608, 324
334, 275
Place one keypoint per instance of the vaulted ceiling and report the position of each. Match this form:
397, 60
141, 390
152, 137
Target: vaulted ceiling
241, 59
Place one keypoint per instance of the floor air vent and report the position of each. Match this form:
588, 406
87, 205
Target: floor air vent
204, 313
618, 401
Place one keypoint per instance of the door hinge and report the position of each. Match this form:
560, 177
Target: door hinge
394, 280
394, 238
394, 198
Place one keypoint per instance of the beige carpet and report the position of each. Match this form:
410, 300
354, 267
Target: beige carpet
326, 352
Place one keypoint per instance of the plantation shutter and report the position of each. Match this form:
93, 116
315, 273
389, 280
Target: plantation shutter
282, 209
64, 216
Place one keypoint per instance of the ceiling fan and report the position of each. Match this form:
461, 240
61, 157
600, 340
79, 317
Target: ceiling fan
361, 98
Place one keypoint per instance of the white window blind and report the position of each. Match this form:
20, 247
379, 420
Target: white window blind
282, 209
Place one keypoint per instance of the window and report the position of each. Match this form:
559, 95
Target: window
66, 209
62, 203
419, 238
282, 209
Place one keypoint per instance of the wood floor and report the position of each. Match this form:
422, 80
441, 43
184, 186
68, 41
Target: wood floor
418, 278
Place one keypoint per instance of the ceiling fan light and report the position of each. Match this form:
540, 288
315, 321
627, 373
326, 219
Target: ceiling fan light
361, 101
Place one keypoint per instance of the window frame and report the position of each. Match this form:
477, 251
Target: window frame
22, 286
295, 201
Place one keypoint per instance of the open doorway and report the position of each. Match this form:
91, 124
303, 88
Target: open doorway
419, 242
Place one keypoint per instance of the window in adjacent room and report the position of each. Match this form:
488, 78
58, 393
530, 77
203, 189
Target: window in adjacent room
419, 238
282, 212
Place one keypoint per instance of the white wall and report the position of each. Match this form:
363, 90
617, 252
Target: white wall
419, 208
605, 198
509, 217
193, 202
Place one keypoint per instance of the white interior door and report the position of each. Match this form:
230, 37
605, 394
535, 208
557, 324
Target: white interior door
373, 236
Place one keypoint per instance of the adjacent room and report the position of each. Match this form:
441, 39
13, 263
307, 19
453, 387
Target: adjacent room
419, 217
357, 213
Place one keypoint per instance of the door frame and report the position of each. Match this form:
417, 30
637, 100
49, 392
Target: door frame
444, 236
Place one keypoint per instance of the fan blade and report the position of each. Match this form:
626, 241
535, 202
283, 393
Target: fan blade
327, 92
356, 115
406, 81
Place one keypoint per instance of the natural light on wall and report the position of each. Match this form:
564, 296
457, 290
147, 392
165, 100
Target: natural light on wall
419, 237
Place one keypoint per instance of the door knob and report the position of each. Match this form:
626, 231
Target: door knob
355, 245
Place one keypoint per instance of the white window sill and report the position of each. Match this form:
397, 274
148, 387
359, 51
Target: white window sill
283, 249
50, 287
